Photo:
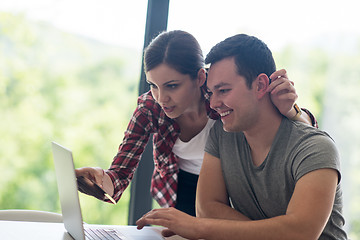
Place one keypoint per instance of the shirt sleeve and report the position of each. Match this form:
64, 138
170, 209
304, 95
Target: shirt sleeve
130, 150
212, 143
316, 152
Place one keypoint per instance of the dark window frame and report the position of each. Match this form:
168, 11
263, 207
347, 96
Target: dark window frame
140, 198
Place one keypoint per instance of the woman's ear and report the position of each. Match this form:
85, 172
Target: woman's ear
201, 77
262, 84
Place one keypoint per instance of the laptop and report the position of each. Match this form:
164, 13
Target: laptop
71, 211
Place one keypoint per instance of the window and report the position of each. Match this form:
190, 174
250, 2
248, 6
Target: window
70, 72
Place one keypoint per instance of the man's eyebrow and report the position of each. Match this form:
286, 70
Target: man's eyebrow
222, 84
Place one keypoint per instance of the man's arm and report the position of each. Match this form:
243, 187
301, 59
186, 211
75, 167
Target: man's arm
212, 200
306, 216
308, 211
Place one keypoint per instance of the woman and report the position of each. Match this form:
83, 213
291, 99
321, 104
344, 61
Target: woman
176, 111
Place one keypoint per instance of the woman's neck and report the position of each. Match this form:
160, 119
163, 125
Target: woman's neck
192, 122
196, 111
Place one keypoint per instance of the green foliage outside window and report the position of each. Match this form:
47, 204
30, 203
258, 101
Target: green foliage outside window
61, 87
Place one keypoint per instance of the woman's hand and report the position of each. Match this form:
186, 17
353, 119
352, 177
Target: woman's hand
97, 175
283, 93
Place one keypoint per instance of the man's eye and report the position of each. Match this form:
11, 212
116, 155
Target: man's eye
222, 91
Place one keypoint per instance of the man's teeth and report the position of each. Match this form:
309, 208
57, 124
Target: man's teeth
223, 114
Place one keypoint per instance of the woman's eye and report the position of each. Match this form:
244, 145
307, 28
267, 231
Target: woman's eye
152, 85
172, 86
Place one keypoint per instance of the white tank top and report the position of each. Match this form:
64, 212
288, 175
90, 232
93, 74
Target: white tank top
191, 153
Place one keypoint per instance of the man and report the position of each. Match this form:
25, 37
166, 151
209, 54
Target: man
263, 176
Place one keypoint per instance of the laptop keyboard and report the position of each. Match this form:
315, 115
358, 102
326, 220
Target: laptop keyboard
99, 233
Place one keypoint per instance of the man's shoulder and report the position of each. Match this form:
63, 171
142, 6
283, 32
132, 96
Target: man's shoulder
301, 129
308, 137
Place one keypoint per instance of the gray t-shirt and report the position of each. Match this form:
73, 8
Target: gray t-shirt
265, 191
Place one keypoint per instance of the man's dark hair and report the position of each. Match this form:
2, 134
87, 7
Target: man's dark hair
252, 56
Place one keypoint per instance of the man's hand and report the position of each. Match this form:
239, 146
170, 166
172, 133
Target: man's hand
174, 220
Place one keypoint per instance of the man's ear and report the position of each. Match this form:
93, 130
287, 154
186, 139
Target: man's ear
262, 84
201, 77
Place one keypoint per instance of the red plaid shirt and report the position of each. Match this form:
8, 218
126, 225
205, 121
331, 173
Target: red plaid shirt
149, 118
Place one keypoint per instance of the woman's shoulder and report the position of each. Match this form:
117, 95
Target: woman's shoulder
147, 96
146, 100
148, 108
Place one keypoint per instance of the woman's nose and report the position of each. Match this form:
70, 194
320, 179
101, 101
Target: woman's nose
163, 97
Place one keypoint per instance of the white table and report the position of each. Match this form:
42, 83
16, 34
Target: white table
17, 230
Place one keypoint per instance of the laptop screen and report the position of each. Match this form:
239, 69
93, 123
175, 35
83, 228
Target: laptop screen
68, 191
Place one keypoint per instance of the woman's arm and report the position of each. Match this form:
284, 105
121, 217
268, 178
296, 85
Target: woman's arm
116, 179
283, 95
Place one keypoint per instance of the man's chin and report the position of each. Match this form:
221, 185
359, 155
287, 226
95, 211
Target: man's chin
227, 129
230, 128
